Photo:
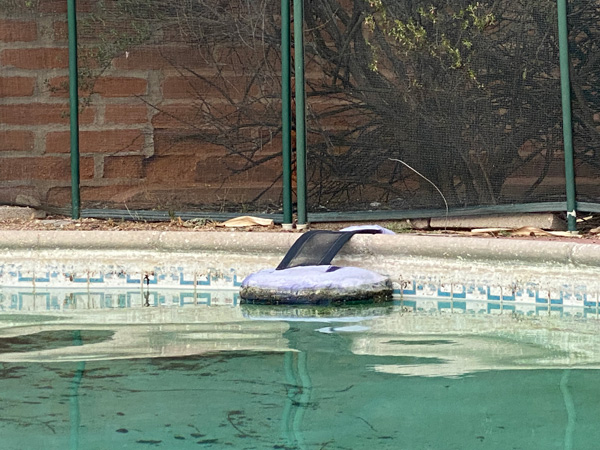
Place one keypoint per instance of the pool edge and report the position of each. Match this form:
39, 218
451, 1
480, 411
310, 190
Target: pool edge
572, 253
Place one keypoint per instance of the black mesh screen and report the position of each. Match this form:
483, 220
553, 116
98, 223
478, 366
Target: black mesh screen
465, 93
410, 105
188, 94
584, 34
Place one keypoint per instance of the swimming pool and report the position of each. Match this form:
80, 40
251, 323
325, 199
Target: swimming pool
180, 375
117, 341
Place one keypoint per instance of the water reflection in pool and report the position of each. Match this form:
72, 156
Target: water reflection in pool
251, 378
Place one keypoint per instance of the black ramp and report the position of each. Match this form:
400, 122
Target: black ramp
317, 247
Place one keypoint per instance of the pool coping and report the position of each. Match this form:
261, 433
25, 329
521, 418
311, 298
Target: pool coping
571, 253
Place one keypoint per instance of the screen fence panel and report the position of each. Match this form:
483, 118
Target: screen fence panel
584, 46
412, 104
189, 104
33, 54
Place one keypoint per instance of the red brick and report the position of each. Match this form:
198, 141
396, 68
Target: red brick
237, 59
58, 142
178, 116
184, 142
235, 87
181, 198
142, 196
585, 170
173, 169
142, 58
191, 115
35, 58
58, 196
126, 114
537, 165
86, 167
337, 114
123, 167
112, 194
212, 170
180, 87
17, 86
60, 31
164, 57
104, 141
41, 114
120, 86
16, 141
60, 6
53, 6
105, 86
17, 31
59, 87
61, 196
87, 57
193, 57
219, 169
43, 168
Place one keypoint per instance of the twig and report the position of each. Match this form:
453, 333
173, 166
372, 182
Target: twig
426, 179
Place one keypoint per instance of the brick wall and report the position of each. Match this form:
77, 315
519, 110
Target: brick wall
144, 141
138, 142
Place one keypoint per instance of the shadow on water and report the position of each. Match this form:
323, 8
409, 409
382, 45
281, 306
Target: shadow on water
299, 388
74, 410
45, 340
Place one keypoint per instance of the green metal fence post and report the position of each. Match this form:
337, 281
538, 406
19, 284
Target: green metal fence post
565, 87
286, 114
301, 188
73, 108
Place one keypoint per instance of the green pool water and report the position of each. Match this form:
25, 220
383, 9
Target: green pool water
229, 378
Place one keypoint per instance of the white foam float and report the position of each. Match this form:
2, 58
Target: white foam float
305, 275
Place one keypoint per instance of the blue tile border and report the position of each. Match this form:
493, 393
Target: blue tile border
57, 299
12, 300
199, 287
